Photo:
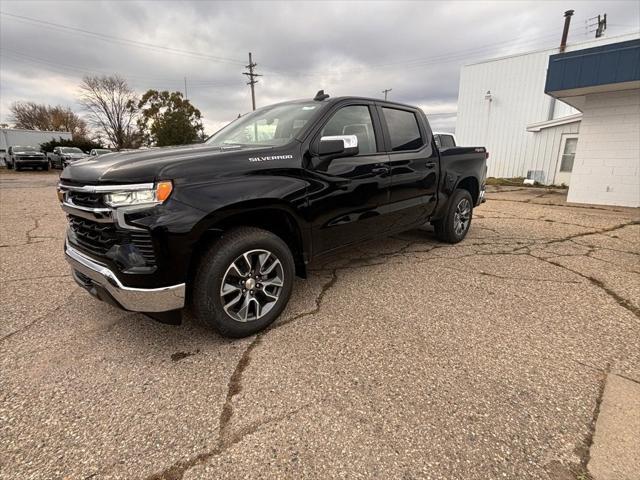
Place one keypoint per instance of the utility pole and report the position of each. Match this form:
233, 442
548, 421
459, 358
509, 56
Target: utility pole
252, 81
186, 97
386, 91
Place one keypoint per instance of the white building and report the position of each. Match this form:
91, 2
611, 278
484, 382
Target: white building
502, 105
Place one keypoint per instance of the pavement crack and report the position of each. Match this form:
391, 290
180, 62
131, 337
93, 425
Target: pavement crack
26, 327
584, 450
623, 302
227, 437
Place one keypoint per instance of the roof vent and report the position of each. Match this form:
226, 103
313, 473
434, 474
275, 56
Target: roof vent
320, 96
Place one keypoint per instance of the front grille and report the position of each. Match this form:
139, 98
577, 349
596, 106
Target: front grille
86, 199
99, 238
96, 237
143, 243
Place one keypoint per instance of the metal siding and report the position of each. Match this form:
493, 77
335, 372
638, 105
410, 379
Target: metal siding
517, 84
500, 125
602, 65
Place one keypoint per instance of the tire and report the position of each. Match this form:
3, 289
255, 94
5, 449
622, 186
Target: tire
456, 223
224, 265
16, 167
46, 167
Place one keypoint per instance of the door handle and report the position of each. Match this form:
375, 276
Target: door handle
430, 165
380, 170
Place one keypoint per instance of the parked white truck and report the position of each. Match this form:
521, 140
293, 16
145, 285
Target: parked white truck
16, 136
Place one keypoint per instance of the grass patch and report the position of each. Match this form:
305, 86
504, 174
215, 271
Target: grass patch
517, 182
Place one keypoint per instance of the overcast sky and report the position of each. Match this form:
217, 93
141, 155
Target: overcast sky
346, 48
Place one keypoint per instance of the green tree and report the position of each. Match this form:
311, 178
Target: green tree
166, 118
83, 144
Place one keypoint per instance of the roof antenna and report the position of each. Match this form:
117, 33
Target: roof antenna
320, 96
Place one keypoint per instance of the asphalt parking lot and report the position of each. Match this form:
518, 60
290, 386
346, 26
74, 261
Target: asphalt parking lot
403, 358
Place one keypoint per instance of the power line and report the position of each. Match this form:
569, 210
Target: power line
121, 40
65, 68
440, 58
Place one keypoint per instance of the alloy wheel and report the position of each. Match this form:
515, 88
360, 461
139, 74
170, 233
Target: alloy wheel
251, 286
462, 217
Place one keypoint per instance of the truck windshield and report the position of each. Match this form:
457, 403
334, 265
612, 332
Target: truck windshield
268, 126
19, 148
70, 150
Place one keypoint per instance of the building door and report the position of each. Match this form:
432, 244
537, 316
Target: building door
565, 160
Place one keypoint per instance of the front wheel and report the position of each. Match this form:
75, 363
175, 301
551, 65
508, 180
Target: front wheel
457, 221
243, 282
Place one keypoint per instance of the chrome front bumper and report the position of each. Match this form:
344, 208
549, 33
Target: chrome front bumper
135, 299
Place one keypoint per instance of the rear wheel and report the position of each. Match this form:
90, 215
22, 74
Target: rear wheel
457, 221
243, 282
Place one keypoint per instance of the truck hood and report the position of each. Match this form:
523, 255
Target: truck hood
167, 163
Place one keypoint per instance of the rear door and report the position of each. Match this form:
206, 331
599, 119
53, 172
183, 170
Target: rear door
345, 198
414, 163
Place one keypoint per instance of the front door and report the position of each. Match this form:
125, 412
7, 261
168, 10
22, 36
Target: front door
565, 159
346, 198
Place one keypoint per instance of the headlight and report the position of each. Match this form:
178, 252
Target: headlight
154, 196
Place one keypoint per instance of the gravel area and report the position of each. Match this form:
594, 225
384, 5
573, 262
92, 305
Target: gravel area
401, 358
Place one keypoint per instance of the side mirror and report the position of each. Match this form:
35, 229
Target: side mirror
338, 146
331, 147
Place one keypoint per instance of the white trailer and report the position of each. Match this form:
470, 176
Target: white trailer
17, 136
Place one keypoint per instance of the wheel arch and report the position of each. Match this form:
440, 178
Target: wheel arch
471, 185
273, 216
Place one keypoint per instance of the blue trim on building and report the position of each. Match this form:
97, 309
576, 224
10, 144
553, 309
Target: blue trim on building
591, 67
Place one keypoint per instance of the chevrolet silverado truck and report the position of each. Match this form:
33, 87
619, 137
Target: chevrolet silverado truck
60, 157
21, 157
223, 227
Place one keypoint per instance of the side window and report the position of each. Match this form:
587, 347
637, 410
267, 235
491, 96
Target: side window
403, 129
568, 154
353, 120
447, 141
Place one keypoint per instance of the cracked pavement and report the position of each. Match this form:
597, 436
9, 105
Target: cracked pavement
401, 358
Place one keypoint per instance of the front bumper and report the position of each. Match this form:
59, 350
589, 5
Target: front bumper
31, 162
103, 284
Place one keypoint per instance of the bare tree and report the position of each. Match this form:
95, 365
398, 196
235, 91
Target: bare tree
112, 108
33, 116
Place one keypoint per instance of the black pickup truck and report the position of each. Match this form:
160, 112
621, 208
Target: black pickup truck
225, 226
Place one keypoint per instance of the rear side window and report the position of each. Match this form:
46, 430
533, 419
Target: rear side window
446, 141
403, 129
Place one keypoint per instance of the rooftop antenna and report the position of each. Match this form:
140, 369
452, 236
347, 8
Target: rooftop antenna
600, 25
320, 96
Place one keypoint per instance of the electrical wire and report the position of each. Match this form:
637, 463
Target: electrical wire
121, 40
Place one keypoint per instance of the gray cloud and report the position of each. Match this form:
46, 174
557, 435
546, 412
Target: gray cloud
347, 48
